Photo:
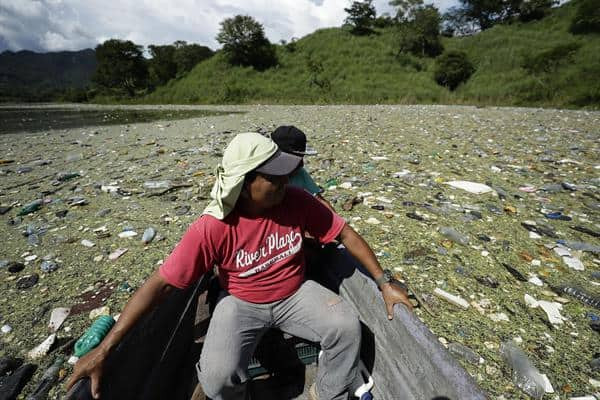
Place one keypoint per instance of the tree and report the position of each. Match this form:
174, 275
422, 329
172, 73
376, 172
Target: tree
121, 65
456, 23
188, 55
530, 10
587, 18
361, 16
161, 67
244, 43
487, 13
406, 9
421, 35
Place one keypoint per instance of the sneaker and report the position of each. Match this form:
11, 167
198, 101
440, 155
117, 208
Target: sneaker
313, 392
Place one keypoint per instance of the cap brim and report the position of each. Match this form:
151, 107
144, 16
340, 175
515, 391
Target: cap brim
280, 163
307, 152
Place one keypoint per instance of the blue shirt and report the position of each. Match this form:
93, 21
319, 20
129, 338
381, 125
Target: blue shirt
301, 178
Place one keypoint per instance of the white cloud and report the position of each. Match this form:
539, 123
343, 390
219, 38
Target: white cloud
52, 25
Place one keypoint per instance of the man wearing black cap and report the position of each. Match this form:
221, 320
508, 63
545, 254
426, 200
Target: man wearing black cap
293, 141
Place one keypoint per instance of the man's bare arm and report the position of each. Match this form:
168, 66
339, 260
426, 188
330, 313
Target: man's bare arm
359, 248
144, 300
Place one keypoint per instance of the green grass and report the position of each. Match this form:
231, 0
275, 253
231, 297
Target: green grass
366, 69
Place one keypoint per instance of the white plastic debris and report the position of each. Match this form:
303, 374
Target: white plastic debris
552, 309
547, 384
109, 188
535, 280
379, 158
471, 187
43, 348
6, 329
116, 254
346, 185
87, 243
127, 234
456, 300
57, 317
531, 301
95, 313
400, 174
498, 317
373, 221
573, 262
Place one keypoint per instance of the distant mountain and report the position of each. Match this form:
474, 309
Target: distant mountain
25, 75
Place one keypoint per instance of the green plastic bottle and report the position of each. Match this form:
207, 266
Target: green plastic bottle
31, 207
94, 335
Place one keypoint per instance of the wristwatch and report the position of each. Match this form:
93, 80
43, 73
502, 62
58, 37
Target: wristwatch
388, 277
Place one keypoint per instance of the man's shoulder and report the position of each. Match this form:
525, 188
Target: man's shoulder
207, 223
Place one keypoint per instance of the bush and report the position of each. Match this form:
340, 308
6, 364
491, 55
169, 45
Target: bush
587, 18
549, 60
452, 69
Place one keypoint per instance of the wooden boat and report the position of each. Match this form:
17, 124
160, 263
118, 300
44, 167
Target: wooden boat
156, 360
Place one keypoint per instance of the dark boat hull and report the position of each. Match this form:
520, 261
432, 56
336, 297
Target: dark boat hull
406, 361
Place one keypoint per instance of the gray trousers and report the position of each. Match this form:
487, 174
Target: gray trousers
313, 313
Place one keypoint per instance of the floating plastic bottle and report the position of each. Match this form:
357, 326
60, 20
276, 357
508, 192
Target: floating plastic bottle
580, 295
166, 184
464, 352
580, 246
454, 235
31, 207
524, 374
49, 379
94, 335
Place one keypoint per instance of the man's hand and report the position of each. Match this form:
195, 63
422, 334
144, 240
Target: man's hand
392, 295
89, 365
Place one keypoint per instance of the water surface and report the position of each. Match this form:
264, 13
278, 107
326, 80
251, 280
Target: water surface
36, 119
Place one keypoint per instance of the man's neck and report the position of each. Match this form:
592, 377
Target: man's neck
250, 209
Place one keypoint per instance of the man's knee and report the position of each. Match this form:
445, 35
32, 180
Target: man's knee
344, 324
217, 376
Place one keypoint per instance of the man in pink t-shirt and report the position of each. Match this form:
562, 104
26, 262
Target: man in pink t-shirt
252, 231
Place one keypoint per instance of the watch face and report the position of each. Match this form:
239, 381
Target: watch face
388, 275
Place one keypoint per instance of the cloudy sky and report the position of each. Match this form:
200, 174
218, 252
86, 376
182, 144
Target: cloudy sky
55, 25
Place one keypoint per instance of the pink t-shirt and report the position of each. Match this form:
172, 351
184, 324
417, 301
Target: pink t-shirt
260, 259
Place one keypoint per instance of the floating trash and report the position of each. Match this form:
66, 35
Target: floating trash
471, 187
116, 254
57, 317
148, 235
43, 348
27, 281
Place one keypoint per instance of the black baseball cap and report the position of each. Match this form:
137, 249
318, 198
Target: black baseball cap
291, 140
280, 163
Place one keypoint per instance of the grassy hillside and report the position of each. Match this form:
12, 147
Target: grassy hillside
334, 66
